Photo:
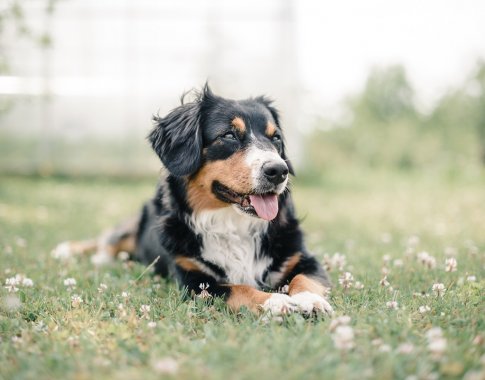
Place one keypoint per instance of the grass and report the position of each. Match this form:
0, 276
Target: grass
364, 216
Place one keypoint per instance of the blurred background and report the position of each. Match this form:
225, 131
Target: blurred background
374, 85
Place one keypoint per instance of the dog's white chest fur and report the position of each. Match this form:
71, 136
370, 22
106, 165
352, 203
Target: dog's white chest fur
232, 241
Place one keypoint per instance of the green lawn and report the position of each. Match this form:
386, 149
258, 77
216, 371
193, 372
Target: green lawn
364, 216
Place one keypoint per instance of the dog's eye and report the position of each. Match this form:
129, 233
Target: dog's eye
276, 138
229, 136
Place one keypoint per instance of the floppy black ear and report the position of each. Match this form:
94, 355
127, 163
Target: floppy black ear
268, 103
177, 139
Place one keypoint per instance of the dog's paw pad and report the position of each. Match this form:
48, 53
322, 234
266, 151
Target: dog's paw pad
101, 258
309, 303
278, 304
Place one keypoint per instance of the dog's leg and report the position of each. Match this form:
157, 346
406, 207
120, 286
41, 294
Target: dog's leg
258, 301
309, 293
202, 282
307, 283
106, 247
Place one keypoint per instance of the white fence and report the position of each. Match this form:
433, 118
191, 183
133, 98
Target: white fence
115, 63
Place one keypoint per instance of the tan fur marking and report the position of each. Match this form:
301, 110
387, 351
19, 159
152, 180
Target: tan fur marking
302, 283
232, 172
239, 125
290, 264
270, 129
186, 263
244, 295
127, 244
83, 247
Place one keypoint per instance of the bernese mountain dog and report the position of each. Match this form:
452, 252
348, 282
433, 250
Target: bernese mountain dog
222, 221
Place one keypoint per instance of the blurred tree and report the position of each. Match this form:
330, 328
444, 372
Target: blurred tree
388, 96
386, 130
478, 86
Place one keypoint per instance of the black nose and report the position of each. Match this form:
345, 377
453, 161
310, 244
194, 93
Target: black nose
275, 172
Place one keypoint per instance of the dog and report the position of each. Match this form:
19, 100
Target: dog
222, 221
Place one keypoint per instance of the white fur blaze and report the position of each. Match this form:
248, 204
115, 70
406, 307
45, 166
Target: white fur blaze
232, 241
256, 158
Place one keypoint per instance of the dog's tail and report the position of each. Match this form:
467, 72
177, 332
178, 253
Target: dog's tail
106, 247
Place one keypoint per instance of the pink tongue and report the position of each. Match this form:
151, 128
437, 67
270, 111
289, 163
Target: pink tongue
266, 206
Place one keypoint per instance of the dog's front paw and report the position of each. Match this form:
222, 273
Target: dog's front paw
308, 303
278, 304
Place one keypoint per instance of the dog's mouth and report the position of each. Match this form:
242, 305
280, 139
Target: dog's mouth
261, 204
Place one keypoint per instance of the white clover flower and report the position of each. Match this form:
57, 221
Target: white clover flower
436, 343
385, 270
125, 295
339, 261
152, 324
76, 300
145, 310
21, 242
427, 260
167, 365
62, 252
424, 309
11, 284
413, 241
327, 262
405, 348
384, 282
434, 333
70, 283
102, 288
40, 326
384, 348
343, 338
204, 292
346, 280
392, 305
73, 341
284, 289
439, 289
121, 310
27, 282
123, 256
451, 264
471, 278
358, 285
386, 259
376, 342
12, 302
343, 320
398, 263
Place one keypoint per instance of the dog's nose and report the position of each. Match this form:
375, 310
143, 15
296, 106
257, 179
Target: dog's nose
275, 172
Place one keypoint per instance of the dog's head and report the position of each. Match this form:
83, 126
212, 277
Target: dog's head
230, 152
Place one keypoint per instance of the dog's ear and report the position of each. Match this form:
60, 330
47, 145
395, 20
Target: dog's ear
268, 103
177, 138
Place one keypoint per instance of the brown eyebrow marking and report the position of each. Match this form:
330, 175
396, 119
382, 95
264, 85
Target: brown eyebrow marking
239, 124
270, 129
